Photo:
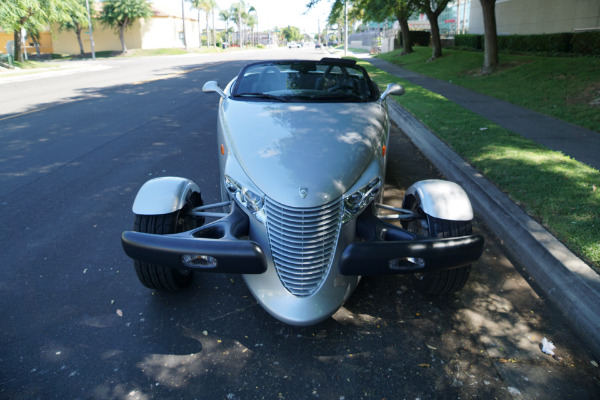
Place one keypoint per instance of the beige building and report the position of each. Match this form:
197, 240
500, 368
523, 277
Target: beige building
539, 16
163, 30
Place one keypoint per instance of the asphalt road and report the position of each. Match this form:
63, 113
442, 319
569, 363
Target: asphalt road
76, 323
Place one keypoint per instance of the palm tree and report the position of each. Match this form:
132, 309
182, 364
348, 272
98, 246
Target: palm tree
206, 6
225, 16
238, 14
252, 21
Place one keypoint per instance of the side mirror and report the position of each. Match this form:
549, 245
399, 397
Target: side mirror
392, 88
213, 87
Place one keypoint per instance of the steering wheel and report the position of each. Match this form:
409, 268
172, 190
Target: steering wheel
270, 73
341, 83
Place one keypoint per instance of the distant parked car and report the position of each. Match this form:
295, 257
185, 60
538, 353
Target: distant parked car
302, 150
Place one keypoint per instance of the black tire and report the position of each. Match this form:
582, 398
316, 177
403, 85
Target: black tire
445, 281
155, 276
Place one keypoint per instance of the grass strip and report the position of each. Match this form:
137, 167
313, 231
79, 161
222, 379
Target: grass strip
559, 192
567, 88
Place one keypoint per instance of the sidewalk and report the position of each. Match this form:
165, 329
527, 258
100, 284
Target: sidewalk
577, 142
564, 281
59, 68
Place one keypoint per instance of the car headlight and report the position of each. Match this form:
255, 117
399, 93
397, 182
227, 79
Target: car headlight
357, 201
248, 199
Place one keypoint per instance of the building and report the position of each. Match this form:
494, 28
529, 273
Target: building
539, 16
163, 30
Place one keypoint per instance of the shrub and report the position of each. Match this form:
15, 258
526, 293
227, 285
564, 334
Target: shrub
417, 38
579, 43
586, 43
469, 41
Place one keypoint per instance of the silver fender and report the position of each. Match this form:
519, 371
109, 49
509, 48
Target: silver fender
440, 199
163, 195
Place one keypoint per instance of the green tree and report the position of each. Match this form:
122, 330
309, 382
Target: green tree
31, 16
122, 14
291, 34
433, 9
77, 22
207, 6
252, 21
240, 15
379, 10
225, 16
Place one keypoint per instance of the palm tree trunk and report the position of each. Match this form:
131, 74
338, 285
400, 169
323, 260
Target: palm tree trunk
207, 31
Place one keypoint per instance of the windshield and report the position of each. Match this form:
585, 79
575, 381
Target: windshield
328, 80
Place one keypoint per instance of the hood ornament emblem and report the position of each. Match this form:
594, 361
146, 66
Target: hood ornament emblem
303, 192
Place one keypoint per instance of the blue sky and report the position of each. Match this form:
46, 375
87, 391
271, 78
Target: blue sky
282, 13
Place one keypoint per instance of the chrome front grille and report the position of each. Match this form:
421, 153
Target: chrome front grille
303, 242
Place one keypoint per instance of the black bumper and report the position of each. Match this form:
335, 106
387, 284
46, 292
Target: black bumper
219, 240
388, 249
384, 249
425, 255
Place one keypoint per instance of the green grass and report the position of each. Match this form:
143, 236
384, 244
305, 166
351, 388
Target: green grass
32, 65
567, 88
559, 192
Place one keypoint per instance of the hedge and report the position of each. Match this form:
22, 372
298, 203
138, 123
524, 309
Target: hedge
417, 38
469, 41
581, 43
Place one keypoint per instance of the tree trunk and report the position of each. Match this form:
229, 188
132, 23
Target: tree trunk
405, 30
432, 16
436, 42
122, 36
199, 31
490, 55
207, 31
36, 43
18, 49
214, 33
78, 33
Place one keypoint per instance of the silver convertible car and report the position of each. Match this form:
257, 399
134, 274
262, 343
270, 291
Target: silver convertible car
302, 157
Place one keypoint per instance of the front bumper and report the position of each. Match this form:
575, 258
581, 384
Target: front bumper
219, 240
388, 249
384, 249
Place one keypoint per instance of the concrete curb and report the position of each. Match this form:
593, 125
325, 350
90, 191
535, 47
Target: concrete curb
28, 75
559, 277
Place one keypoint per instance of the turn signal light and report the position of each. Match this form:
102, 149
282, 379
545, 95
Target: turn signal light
198, 261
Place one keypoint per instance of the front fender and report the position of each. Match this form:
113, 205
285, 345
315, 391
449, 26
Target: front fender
163, 195
440, 199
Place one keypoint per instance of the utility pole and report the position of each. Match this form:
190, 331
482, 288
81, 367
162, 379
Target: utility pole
241, 43
319, 30
87, 4
346, 27
183, 22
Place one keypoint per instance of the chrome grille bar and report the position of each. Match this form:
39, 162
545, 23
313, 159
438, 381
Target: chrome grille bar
303, 241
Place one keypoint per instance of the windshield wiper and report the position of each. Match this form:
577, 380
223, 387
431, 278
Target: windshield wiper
342, 97
262, 96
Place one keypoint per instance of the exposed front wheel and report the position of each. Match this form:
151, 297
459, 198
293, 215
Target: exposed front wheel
444, 281
155, 276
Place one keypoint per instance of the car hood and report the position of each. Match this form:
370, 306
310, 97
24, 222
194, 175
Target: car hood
307, 154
